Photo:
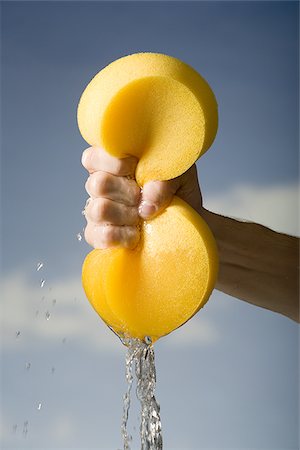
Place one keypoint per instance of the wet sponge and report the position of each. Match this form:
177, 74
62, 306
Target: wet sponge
161, 110
155, 288
152, 106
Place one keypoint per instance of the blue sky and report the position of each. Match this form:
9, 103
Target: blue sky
228, 378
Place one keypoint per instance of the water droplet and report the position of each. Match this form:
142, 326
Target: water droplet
85, 206
18, 333
148, 340
79, 237
43, 298
47, 315
52, 370
64, 340
39, 266
27, 365
37, 313
148, 228
54, 302
15, 426
39, 407
42, 282
75, 299
25, 428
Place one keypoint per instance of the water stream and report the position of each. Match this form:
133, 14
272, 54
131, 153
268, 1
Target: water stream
140, 363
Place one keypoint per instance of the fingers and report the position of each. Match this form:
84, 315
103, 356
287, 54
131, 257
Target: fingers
156, 196
112, 187
111, 213
103, 211
95, 158
105, 236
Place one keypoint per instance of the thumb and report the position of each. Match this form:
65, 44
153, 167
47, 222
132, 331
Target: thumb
156, 195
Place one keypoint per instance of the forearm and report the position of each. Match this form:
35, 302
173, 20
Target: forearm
257, 264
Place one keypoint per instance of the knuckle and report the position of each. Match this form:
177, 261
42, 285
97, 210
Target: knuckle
92, 210
133, 215
86, 158
132, 192
99, 184
100, 236
131, 237
100, 209
110, 235
104, 208
88, 235
102, 183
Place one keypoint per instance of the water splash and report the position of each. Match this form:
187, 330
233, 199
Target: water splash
140, 355
47, 315
85, 206
148, 340
39, 266
18, 334
79, 237
39, 406
129, 361
148, 228
27, 366
25, 428
42, 282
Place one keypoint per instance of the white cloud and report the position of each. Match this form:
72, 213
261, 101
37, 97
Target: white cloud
276, 207
24, 311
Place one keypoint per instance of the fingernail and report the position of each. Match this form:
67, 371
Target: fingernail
147, 209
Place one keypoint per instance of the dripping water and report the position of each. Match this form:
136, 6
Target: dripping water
39, 266
140, 362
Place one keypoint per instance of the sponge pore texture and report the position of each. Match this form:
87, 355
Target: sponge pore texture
153, 106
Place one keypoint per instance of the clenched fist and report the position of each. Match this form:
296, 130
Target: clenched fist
117, 204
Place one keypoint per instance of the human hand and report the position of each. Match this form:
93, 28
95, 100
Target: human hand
116, 202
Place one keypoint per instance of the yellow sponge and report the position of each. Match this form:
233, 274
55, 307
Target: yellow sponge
155, 288
153, 106
161, 110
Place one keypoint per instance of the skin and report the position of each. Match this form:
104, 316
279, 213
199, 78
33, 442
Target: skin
257, 264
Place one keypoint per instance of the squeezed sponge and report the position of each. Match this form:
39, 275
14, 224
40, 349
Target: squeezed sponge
161, 110
155, 288
152, 106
